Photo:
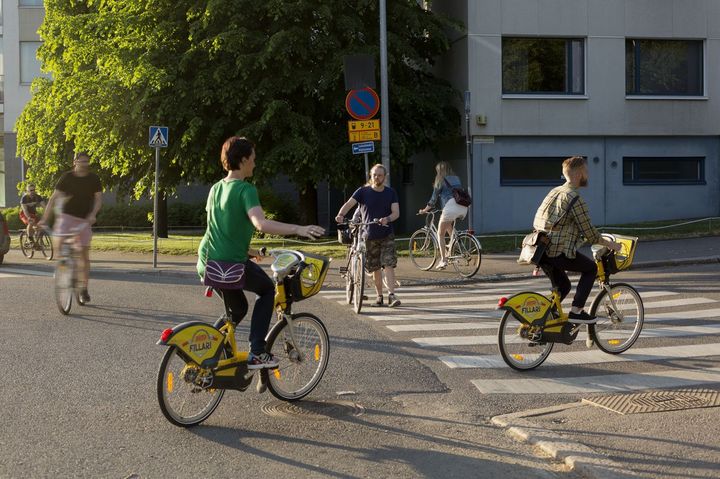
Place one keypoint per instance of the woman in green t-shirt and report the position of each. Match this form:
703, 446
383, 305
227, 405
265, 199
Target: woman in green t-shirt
234, 213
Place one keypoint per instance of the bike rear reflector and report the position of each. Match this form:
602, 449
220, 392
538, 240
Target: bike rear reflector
208, 292
166, 334
472, 232
501, 302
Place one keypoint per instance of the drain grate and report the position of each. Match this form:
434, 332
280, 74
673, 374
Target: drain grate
313, 409
657, 401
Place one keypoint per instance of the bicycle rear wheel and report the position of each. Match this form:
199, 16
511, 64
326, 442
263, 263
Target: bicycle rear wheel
26, 246
358, 268
617, 327
302, 361
423, 249
516, 348
46, 245
64, 285
183, 389
466, 255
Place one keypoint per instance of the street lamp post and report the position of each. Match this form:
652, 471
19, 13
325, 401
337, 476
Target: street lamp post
384, 110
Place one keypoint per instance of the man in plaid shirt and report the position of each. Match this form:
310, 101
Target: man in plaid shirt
571, 231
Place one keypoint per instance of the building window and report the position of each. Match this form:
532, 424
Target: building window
549, 66
664, 171
31, 3
29, 63
664, 67
531, 171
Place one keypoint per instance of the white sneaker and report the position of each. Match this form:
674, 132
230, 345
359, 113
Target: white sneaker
442, 264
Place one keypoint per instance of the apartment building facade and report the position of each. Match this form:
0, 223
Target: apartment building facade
18, 66
632, 85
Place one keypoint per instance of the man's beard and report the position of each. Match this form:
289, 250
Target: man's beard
584, 182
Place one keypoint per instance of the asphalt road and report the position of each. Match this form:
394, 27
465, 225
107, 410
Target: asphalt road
79, 398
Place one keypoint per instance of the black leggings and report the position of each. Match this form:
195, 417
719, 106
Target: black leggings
258, 282
555, 269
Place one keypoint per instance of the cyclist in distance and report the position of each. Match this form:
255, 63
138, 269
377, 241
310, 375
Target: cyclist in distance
79, 196
378, 201
29, 202
571, 232
234, 213
445, 181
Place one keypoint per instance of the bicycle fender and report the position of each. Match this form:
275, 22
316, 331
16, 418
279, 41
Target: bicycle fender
199, 341
528, 306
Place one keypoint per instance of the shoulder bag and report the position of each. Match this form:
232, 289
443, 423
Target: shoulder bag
536, 243
461, 196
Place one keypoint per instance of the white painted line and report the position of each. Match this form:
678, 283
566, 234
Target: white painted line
675, 331
398, 328
26, 272
431, 316
685, 315
591, 357
435, 291
7, 275
609, 383
677, 302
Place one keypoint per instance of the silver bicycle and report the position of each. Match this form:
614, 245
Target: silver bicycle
67, 283
465, 251
354, 269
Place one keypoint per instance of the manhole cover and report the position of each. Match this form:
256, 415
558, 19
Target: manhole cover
657, 401
313, 409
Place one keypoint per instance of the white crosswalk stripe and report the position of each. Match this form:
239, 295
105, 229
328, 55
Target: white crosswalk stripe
18, 272
429, 312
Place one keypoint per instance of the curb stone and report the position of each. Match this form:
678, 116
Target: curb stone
575, 455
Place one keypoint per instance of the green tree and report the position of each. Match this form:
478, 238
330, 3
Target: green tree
208, 69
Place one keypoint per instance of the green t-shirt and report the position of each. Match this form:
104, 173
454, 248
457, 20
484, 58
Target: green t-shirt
229, 229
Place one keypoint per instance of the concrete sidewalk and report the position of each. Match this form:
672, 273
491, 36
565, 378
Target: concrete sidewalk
494, 267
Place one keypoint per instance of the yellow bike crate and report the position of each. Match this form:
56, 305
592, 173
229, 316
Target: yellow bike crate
311, 278
615, 261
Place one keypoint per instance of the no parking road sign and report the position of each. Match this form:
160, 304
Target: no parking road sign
362, 104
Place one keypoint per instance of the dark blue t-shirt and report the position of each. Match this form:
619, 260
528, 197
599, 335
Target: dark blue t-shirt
376, 204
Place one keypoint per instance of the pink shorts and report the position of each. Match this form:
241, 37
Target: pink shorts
66, 224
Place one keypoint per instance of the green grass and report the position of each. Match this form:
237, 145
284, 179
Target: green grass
187, 244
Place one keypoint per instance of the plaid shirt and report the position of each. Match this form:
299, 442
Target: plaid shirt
575, 227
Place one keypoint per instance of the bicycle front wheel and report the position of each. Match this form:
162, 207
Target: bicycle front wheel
64, 285
349, 281
618, 326
423, 249
46, 246
183, 389
358, 267
516, 347
303, 356
26, 246
466, 255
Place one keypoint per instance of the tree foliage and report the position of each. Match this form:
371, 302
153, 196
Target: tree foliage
271, 70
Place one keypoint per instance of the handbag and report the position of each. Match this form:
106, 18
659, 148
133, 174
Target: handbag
461, 196
224, 274
535, 244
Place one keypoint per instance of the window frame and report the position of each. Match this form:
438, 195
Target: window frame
568, 95
667, 96
532, 182
679, 182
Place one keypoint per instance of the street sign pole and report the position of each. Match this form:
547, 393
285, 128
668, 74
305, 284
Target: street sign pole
384, 110
158, 138
155, 206
367, 167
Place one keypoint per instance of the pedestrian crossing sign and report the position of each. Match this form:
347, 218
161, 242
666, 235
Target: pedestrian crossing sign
159, 136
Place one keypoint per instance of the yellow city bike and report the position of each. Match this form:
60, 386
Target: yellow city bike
532, 323
203, 360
